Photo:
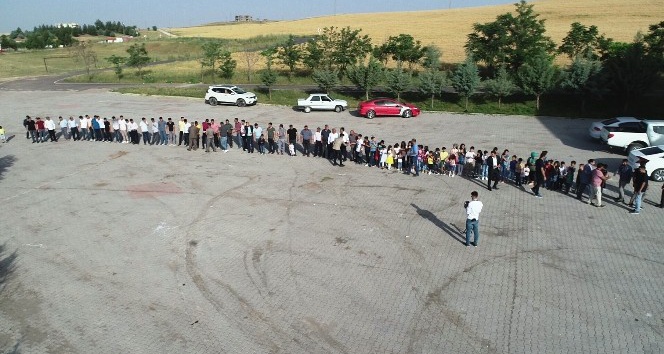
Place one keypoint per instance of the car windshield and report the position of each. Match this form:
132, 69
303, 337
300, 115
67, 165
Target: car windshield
651, 150
610, 121
239, 91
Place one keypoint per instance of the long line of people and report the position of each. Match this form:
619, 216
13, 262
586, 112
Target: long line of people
339, 146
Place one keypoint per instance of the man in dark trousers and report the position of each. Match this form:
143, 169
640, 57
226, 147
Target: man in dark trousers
540, 174
494, 170
640, 187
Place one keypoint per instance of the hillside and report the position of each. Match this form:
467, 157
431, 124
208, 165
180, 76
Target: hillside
618, 19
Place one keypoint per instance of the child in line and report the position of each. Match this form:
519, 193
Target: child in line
525, 174
390, 158
451, 164
3, 138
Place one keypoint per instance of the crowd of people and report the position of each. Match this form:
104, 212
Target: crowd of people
536, 171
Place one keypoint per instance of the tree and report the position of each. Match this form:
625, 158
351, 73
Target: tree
211, 53
138, 58
343, 48
431, 83
431, 58
227, 65
251, 57
326, 79
537, 77
381, 53
500, 86
312, 55
83, 52
582, 78
510, 40
154, 28
269, 77
654, 41
403, 48
366, 77
289, 55
7, 42
466, 78
582, 41
117, 62
398, 81
630, 70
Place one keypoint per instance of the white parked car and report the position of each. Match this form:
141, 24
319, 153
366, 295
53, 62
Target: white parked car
229, 94
629, 136
654, 156
321, 101
595, 129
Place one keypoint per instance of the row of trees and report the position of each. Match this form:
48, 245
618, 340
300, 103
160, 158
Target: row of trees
512, 54
46, 36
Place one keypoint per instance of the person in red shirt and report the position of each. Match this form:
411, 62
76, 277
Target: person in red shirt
596, 180
41, 130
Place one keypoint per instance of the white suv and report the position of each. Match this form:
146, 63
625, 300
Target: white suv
229, 94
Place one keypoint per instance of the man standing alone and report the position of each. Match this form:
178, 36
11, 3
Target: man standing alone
473, 210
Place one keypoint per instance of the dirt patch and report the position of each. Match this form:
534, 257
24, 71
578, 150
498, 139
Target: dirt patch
340, 240
152, 190
311, 186
118, 154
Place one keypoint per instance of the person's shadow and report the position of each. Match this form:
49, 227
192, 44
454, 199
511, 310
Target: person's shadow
451, 229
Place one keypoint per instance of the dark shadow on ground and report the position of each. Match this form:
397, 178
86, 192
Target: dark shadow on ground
5, 163
452, 230
11, 137
7, 265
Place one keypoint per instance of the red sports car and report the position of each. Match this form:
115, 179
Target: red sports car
387, 107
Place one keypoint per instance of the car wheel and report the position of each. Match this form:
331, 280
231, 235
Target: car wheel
241, 102
407, 113
371, 114
213, 101
658, 175
634, 146
307, 109
338, 109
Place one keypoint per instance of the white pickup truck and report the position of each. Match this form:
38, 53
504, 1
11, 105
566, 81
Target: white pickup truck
630, 136
321, 101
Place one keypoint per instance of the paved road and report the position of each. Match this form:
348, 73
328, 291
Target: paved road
112, 248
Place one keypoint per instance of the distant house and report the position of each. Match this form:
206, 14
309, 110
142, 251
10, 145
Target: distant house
243, 18
118, 39
66, 25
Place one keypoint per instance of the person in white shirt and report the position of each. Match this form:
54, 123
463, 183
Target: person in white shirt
50, 126
64, 131
133, 131
473, 210
123, 130
116, 129
145, 131
73, 128
83, 127
330, 140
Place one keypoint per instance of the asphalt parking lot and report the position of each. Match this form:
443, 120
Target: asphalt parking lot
109, 248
